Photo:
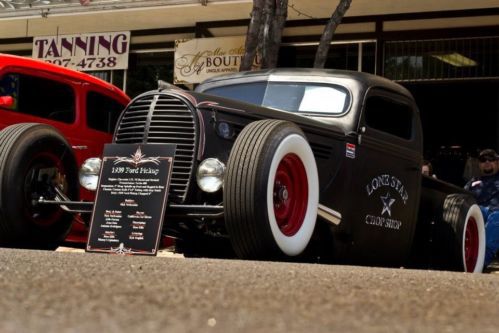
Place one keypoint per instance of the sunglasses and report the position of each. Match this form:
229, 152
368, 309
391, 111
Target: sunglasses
486, 159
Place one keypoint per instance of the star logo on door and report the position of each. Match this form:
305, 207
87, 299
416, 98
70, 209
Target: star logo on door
387, 204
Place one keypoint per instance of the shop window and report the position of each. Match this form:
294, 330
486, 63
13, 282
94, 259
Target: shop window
103, 75
102, 112
389, 116
28, 91
118, 77
369, 58
114, 77
442, 59
340, 56
145, 69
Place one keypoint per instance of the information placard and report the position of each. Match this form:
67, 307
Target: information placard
131, 199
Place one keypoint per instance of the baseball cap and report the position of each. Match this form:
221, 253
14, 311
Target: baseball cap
488, 154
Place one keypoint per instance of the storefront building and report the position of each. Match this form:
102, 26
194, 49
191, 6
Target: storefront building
445, 52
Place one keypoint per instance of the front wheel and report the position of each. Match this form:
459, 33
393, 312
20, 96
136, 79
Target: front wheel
271, 191
34, 159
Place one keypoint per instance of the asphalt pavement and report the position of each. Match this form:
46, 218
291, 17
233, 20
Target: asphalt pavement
45, 291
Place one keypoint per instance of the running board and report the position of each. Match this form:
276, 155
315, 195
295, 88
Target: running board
329, 215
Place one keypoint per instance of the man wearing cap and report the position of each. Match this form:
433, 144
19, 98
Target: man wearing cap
486, 192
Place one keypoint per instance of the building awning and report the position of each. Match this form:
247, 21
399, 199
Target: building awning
297, 9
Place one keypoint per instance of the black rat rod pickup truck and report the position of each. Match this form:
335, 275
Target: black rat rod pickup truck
301, 162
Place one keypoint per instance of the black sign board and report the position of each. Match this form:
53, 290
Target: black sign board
131, 199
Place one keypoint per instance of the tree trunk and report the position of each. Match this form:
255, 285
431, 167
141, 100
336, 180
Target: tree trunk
265, 42
252, 36
265, 32
276, 26
327, 35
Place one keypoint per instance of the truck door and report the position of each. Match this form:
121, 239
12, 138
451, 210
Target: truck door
386, 181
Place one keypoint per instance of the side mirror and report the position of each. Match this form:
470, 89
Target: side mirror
6, 101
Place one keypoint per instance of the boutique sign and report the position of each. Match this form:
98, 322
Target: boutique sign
200, 59
85, 52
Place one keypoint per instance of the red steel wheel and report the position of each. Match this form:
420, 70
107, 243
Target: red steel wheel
471, 244
290, 194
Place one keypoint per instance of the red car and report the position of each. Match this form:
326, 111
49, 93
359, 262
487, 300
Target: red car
63, 117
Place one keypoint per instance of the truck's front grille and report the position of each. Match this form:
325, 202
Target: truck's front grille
161, 118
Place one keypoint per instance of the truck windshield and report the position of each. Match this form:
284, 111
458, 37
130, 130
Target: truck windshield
309, 98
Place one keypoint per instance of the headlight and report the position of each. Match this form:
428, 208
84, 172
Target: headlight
210, 175
89, 173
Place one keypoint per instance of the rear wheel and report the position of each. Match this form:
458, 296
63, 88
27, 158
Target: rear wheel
270, 191
34, 159
462, 234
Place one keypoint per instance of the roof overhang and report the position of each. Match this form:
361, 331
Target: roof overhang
314, 8
50, 17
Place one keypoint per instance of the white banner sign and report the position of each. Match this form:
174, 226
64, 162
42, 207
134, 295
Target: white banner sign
85, 52
199, 59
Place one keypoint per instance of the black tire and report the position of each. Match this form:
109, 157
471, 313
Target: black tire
33, 158
270, 191
461, 234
